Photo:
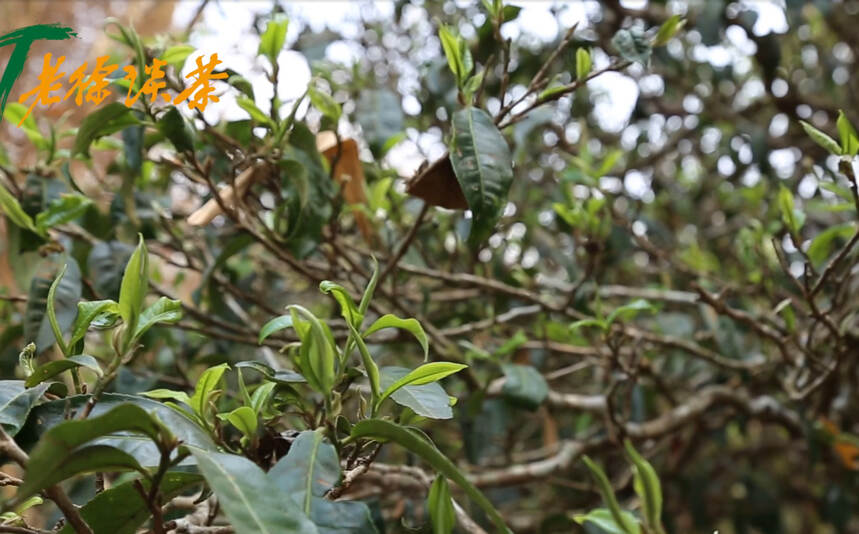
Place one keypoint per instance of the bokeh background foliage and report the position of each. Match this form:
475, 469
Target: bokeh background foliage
669, 257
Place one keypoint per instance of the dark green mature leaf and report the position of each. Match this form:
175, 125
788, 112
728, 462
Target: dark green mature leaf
306, 473
309, 469
132, 148
483, 166
632, 44
308, 193
16, 401
62, 210
121, 510
105, 266
50, 414
81, 461
106, 120
175, 128
251, 501
279, 377
381, 430
37, 326
341, 517
55, 367
524, 385
442, 514
380, 115
428, 400
58, 455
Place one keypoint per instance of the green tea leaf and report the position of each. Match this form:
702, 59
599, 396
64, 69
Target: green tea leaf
243, 418
483, 166
603, 518
583, 63
627, 524
120, 510
205, 389
106, 120
16, 401
273, 38
275, 325
632, 44
175, 128
163, 310
668, 29
135, 284
524, 385
648, 488
58, 454
381, 430
629, 311
428, 400
324, 102
62, 210
52, 315
10, 206
425, 374
793, 218
821, 245
14, 112
37, 326
89, 312
441, 512
347, 306
848, 135
48, 415
826, 142
309, 469
250, 499
306, 473
256, 113
176, 55
317, 358
380, 114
